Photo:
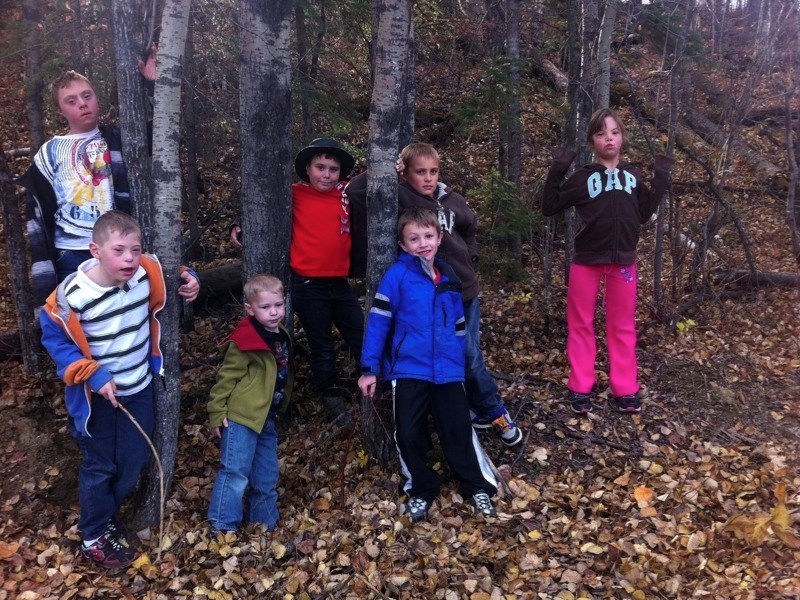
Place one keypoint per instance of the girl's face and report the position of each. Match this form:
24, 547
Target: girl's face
607, 143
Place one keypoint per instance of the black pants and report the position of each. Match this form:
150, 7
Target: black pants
321, 303
413, 400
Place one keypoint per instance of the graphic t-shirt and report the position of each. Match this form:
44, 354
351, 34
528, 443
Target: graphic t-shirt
278, 342
78, 166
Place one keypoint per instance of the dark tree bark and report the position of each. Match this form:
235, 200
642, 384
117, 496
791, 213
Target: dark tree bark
393, 18
77, 40
167, 221
20, 285
131, 44
265, 123
34, 84
514, 120
407, 121
308, 62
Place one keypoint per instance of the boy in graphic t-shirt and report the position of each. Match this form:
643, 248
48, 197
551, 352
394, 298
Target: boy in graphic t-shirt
73, 180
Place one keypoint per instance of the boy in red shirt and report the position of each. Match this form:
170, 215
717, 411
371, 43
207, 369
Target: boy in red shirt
320, 259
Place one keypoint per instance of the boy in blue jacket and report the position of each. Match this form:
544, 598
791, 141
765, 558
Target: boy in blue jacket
415, 337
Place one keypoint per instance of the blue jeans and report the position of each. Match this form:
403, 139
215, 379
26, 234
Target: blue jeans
68, 262
482, 392
247, 458
114, 455
321, 303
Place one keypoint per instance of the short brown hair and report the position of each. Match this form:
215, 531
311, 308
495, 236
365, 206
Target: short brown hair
418, 215
63, 81
262, 282
597, 122
418, 150
114, 221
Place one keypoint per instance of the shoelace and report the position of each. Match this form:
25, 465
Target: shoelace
502, 423
482, 502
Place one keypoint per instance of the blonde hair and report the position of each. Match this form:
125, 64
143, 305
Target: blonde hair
418, 215
63, 81
597, 122
114, 221
418, 150
262, 283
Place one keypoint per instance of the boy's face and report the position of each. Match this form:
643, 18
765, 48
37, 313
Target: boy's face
421, 240
119, 258
423, 175
78, 103
323, 173
268, 308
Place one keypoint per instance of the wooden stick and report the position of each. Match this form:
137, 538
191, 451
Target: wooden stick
160, 479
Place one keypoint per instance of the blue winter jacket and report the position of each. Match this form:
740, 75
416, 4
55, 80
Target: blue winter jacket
415, 328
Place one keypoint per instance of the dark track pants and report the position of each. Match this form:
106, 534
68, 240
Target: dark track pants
413, 400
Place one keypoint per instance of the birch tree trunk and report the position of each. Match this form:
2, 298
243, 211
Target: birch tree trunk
393, 18
603, 88
266, 134
167, 245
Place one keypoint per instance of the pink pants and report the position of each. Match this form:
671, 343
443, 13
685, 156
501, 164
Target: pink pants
620, 304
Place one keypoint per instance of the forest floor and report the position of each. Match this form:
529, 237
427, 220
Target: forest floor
697, 496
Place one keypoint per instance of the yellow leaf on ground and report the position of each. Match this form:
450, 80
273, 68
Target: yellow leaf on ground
143, 559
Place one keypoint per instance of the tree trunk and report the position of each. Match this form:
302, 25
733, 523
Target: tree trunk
514, 121
792, 160
20, 285
167, 221
666, 211
603, 88
393, 18
265, 125
34, 84
190, 142
76, 39
131, 43
407, 121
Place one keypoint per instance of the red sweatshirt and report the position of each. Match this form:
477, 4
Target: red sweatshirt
320, 232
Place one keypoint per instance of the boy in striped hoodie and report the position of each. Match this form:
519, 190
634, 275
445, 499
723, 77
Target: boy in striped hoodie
100, 327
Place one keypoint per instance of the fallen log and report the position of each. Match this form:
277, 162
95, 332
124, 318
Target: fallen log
216, 283
755, 279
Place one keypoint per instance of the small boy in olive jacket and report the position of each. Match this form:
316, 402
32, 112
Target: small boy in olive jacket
254, 382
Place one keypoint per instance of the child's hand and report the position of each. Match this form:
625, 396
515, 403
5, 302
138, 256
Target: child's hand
217, 431
108, 391
367, 385
236, 236
662, 163
148, 68
400, 166
563, 156
190, 288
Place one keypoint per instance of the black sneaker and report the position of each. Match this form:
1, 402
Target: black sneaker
107, 552
580, 403
630, 403
417, 508
118, 531
483, 504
